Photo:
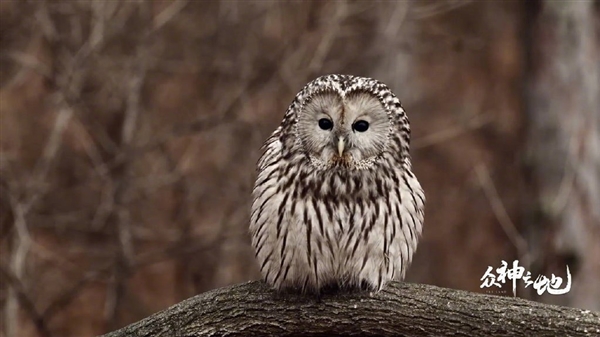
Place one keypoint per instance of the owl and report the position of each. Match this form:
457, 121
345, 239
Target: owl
335, 203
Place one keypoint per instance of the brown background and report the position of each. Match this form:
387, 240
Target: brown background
130, 130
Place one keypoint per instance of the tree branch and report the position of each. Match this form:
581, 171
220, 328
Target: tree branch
402, 309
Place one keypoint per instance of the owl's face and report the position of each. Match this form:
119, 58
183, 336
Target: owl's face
347, 130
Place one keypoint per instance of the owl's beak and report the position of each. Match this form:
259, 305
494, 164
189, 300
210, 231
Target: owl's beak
340, 146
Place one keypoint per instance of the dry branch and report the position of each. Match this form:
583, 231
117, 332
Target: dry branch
402, 309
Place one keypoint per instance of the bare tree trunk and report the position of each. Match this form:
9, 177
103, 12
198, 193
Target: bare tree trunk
402, 309
564, 111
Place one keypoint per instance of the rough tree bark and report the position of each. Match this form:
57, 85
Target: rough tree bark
402, 309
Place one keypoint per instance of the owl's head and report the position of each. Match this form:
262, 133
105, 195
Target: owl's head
348, 121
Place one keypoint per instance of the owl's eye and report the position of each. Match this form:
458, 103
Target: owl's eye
360, 126
325, 124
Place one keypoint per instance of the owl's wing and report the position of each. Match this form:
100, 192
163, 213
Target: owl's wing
271, 151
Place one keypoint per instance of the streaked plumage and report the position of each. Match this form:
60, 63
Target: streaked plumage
335, 202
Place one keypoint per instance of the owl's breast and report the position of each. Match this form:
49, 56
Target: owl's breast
346, 186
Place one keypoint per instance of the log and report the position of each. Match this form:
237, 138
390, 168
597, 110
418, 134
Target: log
401, 309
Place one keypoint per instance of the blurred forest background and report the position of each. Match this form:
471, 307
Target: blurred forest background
130, 132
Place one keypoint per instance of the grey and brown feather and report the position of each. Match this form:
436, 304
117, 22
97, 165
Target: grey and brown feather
337, 207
